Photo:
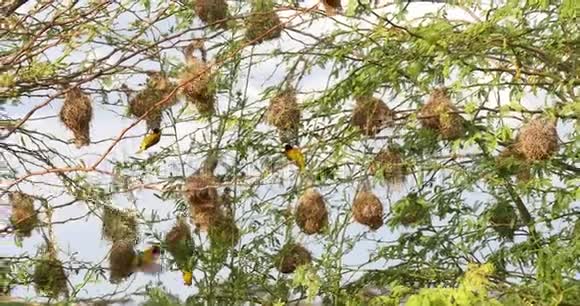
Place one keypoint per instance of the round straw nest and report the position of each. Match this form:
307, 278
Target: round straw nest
224, 232
538, 140
263, 23
332, 7
122, 259
371, 115
503, 219
201, 194
513, 162
284, 114
311, 214
410, 211
24, 218
441, 115
388, 164
201, 190
178, 242
367, 209
212, 11
76, 114
49, 276
158, 88
200, 87
291, 256
119, 225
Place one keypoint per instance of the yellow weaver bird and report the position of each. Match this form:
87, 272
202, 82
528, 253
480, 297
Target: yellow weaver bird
146, 261
187, 277
295, 155
150, 140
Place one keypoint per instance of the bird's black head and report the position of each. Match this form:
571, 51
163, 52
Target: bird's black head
156, 130
156, 250
287, 147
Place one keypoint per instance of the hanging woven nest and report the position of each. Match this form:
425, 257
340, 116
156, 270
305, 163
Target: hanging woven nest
441, 115
513, 162
76, 114
49, 277
388, 164
119, 225
212, 11
263, 23
24, 218
291, 256
332, 7
122, 260
204, 216
158, 89
371, 115
284, 114
311, 214
201, 190
200, 87
178, 242
410, 211
224, 232
503, 219
367, 209
538, 140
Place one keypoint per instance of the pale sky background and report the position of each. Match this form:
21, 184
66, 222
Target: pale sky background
83, 237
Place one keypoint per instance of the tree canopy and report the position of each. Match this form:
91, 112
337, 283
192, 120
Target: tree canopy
290, 152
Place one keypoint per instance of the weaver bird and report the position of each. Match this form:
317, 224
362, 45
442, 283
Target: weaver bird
150, 140
146, 261
295, 155
187, 277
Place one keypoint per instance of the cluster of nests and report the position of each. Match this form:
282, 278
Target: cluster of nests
121, 228
24, 217
537, 141
76, 114
262, 23
207, 208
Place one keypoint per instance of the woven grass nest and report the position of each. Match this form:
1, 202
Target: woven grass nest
503, 219
332, 7
513, 162
76, 114
311, 214
389, 165
371, 115
158, 88
212, 11
201, 87
178, 242
201, 190
263, 23
291, 256
538, 140
224, 232
284, 114
367, 209
122, 260
23, 218
441, 115
119, 225
49, 276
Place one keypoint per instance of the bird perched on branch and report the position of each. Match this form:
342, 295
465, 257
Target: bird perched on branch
150, 140
294, 154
